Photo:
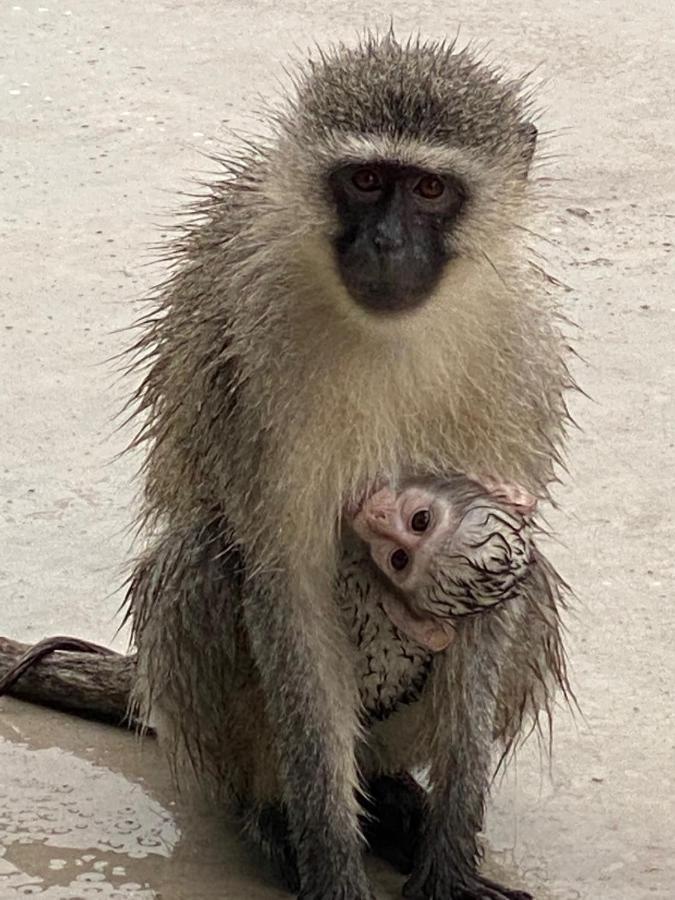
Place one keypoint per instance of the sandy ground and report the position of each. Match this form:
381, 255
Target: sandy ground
104, 109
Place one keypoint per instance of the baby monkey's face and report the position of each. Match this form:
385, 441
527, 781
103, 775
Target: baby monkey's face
452, 549
405, 531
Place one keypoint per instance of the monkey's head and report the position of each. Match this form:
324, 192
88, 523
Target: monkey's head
413, 157
452, 548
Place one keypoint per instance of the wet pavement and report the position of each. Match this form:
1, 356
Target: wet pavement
90, 811
105, 109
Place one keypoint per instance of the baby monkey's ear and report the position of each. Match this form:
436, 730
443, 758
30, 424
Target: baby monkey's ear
509, 492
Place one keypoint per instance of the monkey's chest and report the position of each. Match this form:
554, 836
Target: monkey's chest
391, 669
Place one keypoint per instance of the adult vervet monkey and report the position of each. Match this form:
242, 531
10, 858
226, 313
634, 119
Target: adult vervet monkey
353, 298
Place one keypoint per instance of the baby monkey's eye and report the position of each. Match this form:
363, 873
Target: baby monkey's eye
420, 521
399, 559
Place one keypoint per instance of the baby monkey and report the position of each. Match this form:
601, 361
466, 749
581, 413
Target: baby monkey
449, 547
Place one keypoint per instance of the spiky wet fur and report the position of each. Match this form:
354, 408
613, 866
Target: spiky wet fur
269, 399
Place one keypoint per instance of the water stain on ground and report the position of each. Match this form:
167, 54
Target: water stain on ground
90, 811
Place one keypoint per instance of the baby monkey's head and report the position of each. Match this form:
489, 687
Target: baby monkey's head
452, 547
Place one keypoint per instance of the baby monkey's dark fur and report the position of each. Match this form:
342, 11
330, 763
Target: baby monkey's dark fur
276, 389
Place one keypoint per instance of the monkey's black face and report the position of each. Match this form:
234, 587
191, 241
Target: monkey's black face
391, 250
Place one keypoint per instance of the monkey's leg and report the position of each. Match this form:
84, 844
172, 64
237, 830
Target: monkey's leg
267, 828
395, 808
465, 682
304, 665
88, 680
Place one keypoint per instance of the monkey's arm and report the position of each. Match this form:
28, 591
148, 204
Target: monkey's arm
252, 680
502, 671
88, 680
465, 688
305, 668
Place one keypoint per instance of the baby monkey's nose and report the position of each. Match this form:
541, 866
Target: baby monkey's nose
383, 522
382, 502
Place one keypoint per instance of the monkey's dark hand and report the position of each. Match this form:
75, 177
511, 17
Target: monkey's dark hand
337, 879
484, 889
427, 884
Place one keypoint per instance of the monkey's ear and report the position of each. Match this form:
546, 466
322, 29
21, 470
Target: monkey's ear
530, 134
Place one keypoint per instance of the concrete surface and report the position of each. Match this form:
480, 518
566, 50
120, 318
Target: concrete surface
103, 108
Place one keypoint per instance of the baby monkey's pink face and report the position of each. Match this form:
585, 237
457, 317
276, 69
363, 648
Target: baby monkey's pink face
404, 530
450, 553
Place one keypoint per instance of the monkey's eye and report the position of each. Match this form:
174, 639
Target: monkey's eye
420, 521
431, 187
366, 180
399, 559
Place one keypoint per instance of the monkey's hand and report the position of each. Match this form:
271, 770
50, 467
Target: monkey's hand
448, 854
325, 888
432, 885
338, 894
357, 501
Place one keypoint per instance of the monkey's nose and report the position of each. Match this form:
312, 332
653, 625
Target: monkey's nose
382, 512
386, 242
382, 521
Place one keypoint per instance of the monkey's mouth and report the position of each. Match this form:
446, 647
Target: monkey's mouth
353, 506
387, 296
386, 283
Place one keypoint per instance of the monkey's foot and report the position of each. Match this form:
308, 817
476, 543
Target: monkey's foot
474, 887
484, 889
396, 808
268, 828
337, 878
338, 893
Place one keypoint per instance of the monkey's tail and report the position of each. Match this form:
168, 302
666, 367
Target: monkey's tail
71, 675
